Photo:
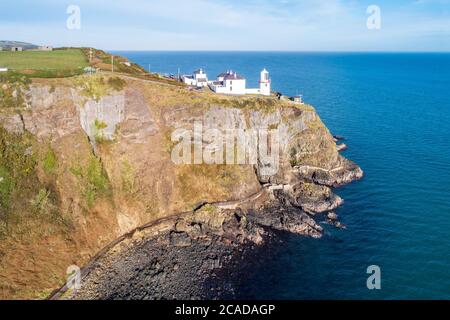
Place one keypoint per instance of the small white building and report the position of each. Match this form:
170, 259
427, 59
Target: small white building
199, 79
16, 49
298, 99
2, 69
232, 83
229, 83
45, 48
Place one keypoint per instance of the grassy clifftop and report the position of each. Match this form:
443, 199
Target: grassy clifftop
45, 64
70, 62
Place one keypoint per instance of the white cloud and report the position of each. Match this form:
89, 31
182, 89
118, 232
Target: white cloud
237, 25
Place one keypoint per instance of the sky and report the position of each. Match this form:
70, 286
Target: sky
234, 25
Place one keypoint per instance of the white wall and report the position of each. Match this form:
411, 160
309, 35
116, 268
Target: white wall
252, 91
231, 87
264, 88
201, 76
236, 86
189, 81
198, 76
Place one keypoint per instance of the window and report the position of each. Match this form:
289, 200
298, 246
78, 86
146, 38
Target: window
231, 88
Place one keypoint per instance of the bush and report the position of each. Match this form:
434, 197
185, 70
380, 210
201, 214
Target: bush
50, 162
98, 134
93, 180
116, 83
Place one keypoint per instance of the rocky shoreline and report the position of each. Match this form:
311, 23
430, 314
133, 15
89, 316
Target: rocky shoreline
197, 255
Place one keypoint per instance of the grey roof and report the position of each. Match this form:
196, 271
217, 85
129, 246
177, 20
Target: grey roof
233, 77
230, 76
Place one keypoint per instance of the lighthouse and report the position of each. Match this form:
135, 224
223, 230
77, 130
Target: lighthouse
264, 83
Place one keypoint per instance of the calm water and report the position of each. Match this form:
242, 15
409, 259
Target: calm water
394, 110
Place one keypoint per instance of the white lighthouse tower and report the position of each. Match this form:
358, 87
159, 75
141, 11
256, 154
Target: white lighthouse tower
264, 83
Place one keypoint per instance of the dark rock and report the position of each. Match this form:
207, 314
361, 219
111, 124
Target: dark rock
180, 239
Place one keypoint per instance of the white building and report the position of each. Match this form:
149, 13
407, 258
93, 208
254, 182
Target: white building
298, 99
45, 48
199, 79
229, 83
232, 83
2, 69
264, 85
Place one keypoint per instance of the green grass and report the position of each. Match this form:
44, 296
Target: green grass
96, 87
99, 126
50, 161
93, 180
44, 64
43, 60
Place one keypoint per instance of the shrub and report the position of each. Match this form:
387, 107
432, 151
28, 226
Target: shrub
93, 180
116, 83
50, 161
98, 133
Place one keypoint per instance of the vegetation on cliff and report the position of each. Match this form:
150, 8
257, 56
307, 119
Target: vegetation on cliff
93, 180
96, 86
12, 90
28, 203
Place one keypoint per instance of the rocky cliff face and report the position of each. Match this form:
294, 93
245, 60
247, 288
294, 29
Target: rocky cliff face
99, 152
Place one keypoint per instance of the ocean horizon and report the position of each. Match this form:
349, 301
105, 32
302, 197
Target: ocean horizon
393, 110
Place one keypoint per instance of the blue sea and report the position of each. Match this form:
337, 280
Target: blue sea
394, 111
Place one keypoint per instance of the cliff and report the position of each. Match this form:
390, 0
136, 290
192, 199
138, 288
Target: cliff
86, 160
